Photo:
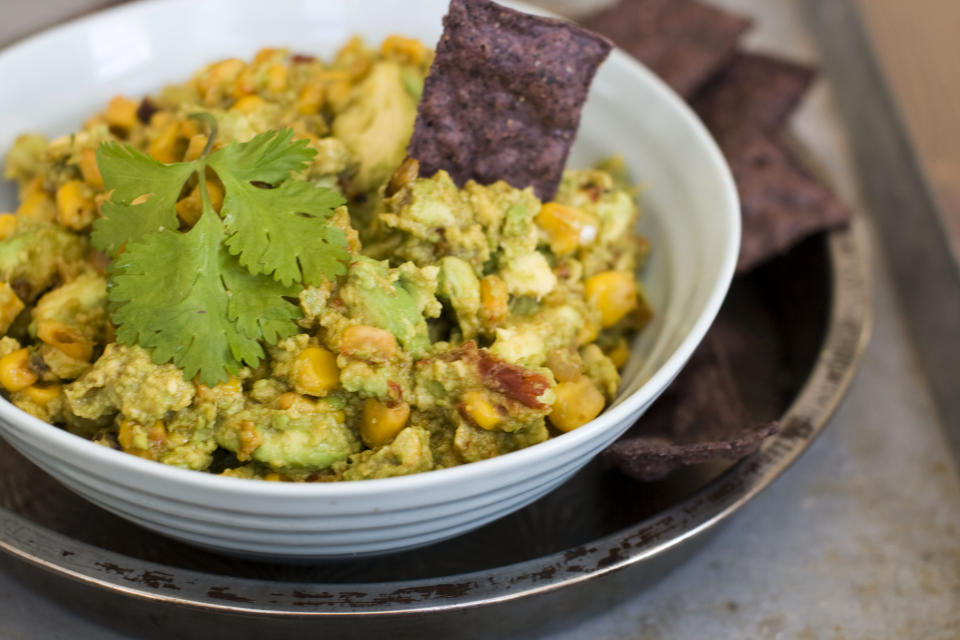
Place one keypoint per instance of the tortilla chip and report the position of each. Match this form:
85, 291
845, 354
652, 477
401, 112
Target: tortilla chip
780, 202
699, 418
682, 41
503, 97
760, 89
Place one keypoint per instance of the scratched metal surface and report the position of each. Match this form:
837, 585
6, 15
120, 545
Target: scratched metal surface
859, 539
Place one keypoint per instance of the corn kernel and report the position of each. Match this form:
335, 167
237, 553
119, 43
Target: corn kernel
310, 99
587, 333
8, 225
287, 400
247, 105
195, 147
246, 83
190, 208
578, 402
216, 75
65, 338
368, 343
568, 228
135, 438
265, 54
10, 306
75, 208
89, 169
15, 373
619, 354
315, 372
121, 113
380, 422
42, 394
614, 293
168, 146
248, 440
273, 476
276, 78
189, 128
494, 301
38, 206
480, 410
405, 49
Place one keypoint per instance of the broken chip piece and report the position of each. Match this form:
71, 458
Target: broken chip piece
682, 41
503, 97
759, 89
700, 417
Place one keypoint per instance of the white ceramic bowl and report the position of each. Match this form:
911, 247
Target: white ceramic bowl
53, 81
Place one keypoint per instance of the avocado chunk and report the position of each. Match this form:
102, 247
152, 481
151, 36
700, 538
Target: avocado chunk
377, 124
459, 285
288, 440
385, 298
38, 255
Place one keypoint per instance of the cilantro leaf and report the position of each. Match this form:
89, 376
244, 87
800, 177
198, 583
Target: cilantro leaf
268, 157
283, 230
132, 174
182, 295
207, 298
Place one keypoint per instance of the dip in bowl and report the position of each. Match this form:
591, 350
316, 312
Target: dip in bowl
691, 218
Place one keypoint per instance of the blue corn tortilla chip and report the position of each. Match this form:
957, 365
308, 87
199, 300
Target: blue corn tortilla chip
758, 89
699, 418
503, 98
683, 41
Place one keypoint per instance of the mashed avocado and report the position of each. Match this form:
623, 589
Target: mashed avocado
469, 322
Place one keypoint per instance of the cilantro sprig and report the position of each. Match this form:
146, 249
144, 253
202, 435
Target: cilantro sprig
209, 297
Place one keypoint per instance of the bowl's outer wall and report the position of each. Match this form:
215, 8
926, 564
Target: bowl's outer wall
691, 216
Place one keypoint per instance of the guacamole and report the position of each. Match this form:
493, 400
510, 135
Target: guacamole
469, 321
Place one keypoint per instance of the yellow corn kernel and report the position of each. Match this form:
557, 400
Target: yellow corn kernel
34, 186
567, 227
10, 306
89, 169
366, 342
8, 225
380, 422
315, 372
65, 338
494, 300
195, 147
578, 402
619, 354
614, 293
121, 113
405, 49
587, 333
75, 208
276, 78
246, 82
265, 54
273, 476
287, 400
247, 105
310, 99
480, 410
190, 207
15, 373
42, 394
38, 206
249, 440
168, 146
220, 73
136, 438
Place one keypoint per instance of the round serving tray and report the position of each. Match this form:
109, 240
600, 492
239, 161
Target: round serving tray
808, 318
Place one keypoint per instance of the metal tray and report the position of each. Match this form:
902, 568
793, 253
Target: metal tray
808, 315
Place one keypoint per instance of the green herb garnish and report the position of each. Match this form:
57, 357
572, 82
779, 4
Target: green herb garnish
206, 298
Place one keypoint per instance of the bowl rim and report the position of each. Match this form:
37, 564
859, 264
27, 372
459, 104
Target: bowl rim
62, 441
